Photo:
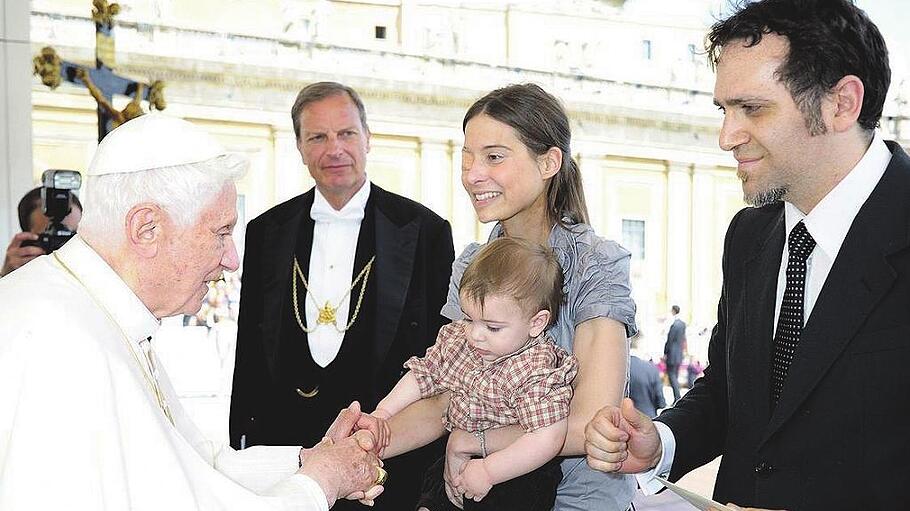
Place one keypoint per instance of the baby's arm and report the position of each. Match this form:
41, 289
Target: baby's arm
416, 421
529, 452
405, 392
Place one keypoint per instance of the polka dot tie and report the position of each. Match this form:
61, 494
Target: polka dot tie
790, 321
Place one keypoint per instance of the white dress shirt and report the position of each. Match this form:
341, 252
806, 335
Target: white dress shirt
828, 223
81, 426
335, 236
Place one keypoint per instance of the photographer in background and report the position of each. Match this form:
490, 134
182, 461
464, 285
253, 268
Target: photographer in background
33, 222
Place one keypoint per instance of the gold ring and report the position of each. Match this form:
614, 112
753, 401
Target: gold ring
381, 476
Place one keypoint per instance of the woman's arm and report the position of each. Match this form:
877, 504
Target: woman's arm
417, 425
603, 356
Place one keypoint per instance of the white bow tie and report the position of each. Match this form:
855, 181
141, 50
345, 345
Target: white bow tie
322, 211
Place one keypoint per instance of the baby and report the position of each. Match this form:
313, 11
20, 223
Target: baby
501, 369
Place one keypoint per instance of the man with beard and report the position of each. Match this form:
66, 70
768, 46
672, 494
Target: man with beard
813, 331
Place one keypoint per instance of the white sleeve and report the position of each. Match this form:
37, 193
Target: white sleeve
271, 471
646, 481
300, 492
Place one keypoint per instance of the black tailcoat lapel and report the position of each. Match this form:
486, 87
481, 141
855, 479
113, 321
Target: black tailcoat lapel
280, 241
396, 244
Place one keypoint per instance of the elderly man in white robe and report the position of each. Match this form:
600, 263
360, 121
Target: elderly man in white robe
88, 418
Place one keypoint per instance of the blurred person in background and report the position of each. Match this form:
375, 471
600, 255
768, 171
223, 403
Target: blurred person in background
32, 221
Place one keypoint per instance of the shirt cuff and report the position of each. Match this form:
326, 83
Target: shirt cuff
300, 492
646, 481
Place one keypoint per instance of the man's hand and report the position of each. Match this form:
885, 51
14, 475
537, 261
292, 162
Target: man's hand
341, 428
474, 482
367, 498
17, 255
345, 423
345, 468
622, 440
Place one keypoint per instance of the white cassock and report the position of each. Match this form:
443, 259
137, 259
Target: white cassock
81, 427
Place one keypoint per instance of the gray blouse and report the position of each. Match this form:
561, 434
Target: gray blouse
596, 284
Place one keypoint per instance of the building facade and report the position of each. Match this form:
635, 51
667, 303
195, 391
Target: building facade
630, 73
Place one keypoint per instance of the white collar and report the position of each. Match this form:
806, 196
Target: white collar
111, 292
831, 218
322, 211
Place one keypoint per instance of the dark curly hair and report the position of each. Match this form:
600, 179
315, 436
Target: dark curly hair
828, 39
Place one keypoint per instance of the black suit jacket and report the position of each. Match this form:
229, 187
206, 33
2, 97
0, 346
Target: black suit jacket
837, 438
414, 255
676, 337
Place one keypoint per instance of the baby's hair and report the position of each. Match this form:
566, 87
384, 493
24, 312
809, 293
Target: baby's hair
518, 269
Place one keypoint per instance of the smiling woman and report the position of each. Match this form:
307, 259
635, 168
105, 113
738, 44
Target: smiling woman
518, 172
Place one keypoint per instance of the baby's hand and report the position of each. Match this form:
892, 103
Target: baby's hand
474, 481
377, 424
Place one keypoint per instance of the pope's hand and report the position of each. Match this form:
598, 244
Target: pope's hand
345, 423
367, 498
17, 255
345, 468
622, 440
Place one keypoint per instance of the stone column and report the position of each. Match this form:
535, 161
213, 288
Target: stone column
291, 176
436, 176
705, 246
679, 236
15, 113
592, 175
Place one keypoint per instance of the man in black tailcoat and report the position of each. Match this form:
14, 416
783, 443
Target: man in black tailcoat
340, 286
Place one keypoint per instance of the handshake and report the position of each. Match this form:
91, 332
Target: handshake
346, 462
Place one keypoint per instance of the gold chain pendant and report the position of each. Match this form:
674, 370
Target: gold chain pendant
326, 315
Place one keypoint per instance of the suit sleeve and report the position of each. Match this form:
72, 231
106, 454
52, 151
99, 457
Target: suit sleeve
699, 419
249, 365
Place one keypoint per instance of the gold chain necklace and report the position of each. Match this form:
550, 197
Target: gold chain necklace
327, 313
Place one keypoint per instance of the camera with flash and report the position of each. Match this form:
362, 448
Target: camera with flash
57, 187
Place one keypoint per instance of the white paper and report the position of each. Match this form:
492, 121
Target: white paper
702, 503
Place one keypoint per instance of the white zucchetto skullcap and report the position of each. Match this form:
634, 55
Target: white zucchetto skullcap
153, 141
